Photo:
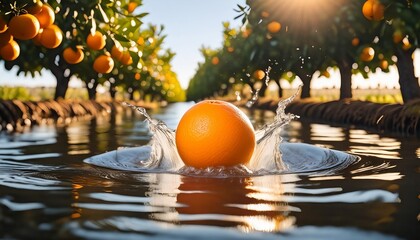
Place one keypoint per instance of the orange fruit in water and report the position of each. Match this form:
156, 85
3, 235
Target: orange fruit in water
96, 41
103, 64
10, 51
73, 56
373, 10
214, 133
51, 36
45, 16
273, 27
24, 27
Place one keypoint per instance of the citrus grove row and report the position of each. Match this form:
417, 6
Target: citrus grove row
70, 38
282, 39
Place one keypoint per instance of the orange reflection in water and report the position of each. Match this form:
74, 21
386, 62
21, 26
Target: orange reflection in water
251, 204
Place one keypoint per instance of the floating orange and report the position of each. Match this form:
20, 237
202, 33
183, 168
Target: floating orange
215, 133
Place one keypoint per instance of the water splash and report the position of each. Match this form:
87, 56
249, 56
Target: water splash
163, 149
271, 156
269, 138
253, 99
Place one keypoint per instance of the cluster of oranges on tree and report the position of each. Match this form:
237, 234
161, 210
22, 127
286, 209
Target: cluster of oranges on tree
34, 22
104, 63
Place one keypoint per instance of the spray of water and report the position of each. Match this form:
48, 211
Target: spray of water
268, 138
163, 153
271, 156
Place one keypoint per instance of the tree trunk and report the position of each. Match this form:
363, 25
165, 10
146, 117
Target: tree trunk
62, 82
409, 84
261, 92
92, 90
306, 89
112, 91
131, 95
344, 65
280, 89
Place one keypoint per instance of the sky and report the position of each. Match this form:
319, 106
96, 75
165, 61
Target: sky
189, 25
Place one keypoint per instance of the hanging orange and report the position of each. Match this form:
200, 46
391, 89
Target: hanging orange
46, 16
36, 7
96, 41
131, 7
367, 54
117, 52
73, 56
3, 25
273, 27
10, 51
259, 74
5, 38
355, 41
126, 58
373, 10
103, 64
51, 36
24, 27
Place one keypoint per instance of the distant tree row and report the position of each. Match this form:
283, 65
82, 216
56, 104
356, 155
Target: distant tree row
284, 39
101, 42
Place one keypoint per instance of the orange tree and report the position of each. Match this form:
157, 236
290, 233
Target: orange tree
312, 36
155, 78
75, 39
307, 36
399, 36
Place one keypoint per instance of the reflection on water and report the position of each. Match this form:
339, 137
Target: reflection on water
47, 191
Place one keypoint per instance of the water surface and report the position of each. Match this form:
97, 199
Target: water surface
49, 192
